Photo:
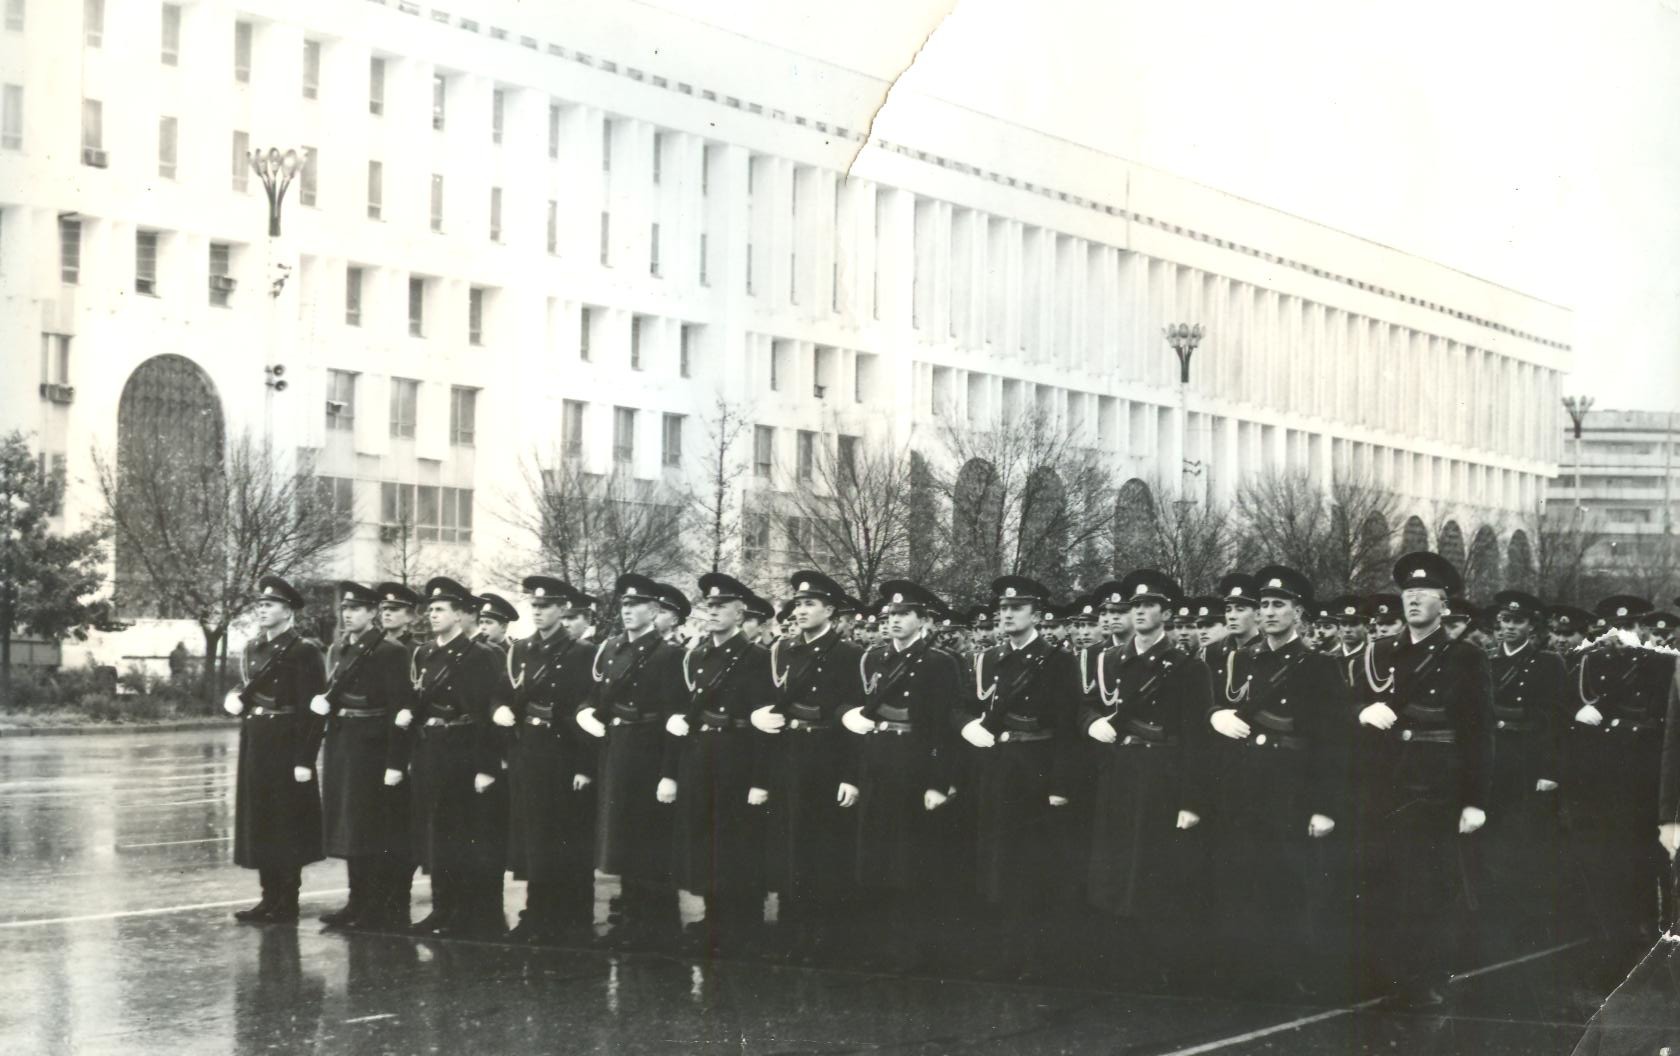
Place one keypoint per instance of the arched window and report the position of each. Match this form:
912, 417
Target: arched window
1044, 529
1374, 566
1134, 528
1481, 569
976, 525
1414, 536
1519, 562
1451, 545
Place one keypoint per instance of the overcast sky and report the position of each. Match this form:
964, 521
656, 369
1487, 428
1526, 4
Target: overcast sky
1534, 144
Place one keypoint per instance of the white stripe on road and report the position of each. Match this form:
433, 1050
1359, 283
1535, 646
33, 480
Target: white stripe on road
370, 1019
160, 911
1334, 1013
172, 843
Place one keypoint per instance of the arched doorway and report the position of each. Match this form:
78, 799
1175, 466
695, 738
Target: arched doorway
1042, 547
1134, 528
1413, 536
171, 440
976, 527
1481, 568
1519, 562
1373, 568
1451, 545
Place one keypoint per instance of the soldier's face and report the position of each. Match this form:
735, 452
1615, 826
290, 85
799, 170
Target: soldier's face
903, 627
356, 618
1084, 634
1381, 629
723, 617
637, 614
1512, 630
752, 627
1016, 617
1279, 616
812, 614
272, 614
1148, 616
1110, 621
665, 620
395, 618
1352, 634
545, 615
444, 617
1423, 605
1456, 628
493, 630
1209, 633
1241, 619
574, 625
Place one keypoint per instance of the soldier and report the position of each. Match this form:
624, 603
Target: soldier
1182, 628
277, 802
1021, 720
710, 758
1352, 638
981, 635
578, 617
1518, 863
1082, 625
397, 605
905, 770
1151, 701
1382, 612
1615, 748
1668, 801
553, 768
1324, 627
1569, 631
808, 776
1210, 624
1456, 619
1434, 715
459, 685
1242, 613
365, 822
1282, 757
494, 614
638, 686
1661, 629
757, 617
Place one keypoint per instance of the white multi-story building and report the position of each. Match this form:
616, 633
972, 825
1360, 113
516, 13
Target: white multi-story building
1627, 466
531, 228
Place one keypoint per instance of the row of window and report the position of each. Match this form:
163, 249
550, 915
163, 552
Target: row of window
625, 420
425, 513
405, 407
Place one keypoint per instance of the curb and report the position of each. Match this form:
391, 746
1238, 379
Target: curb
114, 727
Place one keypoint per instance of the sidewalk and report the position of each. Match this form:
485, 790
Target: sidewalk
206, 723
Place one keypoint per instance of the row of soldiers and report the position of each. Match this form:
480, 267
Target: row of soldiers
1368, 788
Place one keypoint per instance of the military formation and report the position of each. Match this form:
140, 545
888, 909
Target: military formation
1257, 787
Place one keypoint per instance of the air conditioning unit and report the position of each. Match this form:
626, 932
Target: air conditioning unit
57, 393
93, 157
819, 391
389, 533
224, 283
336, 407
148, 286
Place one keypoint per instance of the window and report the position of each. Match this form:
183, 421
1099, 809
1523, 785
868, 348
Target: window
14, 15
241, 161
685, 351
375, 190
221, 279
706, 169
495, 214
653, 252
376, 85
435, 514
242, 52
337, 495
703, 254
554, 130
793, 278
755, 536
55, 359
670, 448
93, 128
166, 147
171, 47
11, 118
571, 428
807, 453
306, 178
845, 456
439, 90
636, 342
311, 69
396, 504
777, 350
454, 516
352, 296
69, 249
749, 270
658, 154
606, 238
606, 145
93, 23
463, 416
553, 226
585, 328
624, 435
764, 451
341, 400
475, 315
437, 202
416, 306
498, 101
145, 262
405, 402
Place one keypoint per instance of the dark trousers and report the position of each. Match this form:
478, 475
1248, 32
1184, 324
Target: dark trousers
280, 885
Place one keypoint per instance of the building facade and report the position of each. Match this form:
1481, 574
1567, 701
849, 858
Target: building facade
1625, 478
524, 235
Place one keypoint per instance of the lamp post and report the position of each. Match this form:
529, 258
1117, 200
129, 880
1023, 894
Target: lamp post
276, 169
1578, 406
1184, 337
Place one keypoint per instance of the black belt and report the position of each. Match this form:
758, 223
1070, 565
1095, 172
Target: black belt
1024, 736
538, 720
1430, 736
707, 726
437, 723
1630, 726
1277, 740
809, 726
361, 713
260, 712
1514, 726
889, 726
1133, 741
541, 711
638, 720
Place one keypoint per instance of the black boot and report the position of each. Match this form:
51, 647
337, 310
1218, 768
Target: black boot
344, 916
258, 914
285, 910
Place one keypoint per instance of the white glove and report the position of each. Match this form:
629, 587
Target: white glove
677, 725
933, 799
581, 782
1471, 819
757, 797
1229, 723
667, 790
320, 705
1589, 715
1103, 730
587, 722
232, 704
1319, 825
847, 795
393, 778
1668, 834
1545, 784
404, 719
767, 720
502, 716
482, 782
853, 720
1058, 801
302, 774
1378, 716
1188, 819
977, 734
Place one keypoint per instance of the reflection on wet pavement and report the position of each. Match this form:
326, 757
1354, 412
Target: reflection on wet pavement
116, 938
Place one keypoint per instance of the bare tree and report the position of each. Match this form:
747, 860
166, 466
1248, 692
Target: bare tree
590, 528
1342, 536
717, 502
1193, 542
1562, 541
199, 532
404, 556
852, 512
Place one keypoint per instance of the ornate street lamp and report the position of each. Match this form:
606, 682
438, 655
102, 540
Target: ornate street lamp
1578, 406
276, 170
1184, 337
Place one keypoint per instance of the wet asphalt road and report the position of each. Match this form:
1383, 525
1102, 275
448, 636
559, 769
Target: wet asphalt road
115, 937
